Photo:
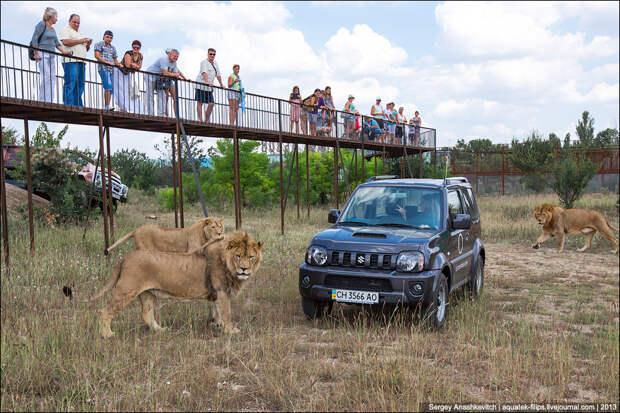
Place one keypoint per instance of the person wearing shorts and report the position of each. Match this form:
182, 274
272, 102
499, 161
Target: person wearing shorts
106, 54
371, 129
209, 71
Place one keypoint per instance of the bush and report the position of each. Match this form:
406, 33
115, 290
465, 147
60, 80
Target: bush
571, 178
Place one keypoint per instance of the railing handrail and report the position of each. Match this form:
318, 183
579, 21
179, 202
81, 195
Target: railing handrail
94, 61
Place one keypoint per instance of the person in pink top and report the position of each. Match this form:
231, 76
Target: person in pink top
295, 99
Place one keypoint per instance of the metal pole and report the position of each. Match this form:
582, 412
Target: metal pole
237, 180
421, 165
180, 177
502, 169
297, 166
383, 163
174, 180
308, 180
281, 183
356, 180
363, 162
109, 184
375, 165
336, 175
103, 186
29, 179
5, 220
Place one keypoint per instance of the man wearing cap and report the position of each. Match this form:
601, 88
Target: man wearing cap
74, 69
378, 112
371, 128
106, 54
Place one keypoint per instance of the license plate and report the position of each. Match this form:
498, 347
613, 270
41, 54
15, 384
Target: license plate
358, 297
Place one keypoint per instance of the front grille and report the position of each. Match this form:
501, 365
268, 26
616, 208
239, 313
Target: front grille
358, 283
361, 259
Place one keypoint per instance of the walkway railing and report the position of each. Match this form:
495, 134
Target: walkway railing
135, 95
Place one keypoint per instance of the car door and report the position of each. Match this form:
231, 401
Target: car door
470, 235
460, 258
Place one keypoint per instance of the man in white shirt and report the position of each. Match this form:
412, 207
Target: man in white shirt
379, 113
209, 70
74, 41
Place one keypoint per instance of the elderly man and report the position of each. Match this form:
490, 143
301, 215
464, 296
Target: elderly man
163, 70
74, 69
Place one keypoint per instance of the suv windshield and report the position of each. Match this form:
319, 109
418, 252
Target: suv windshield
394, 206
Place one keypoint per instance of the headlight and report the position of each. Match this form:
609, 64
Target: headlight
409, 261
316, 255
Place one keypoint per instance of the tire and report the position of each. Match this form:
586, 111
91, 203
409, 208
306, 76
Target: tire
437, 311
315, 309
476, 284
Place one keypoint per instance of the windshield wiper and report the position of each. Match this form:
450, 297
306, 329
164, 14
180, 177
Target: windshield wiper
394, 224
354, 223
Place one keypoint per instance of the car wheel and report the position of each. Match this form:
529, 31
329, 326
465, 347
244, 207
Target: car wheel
476, 284
315, 309
437, 310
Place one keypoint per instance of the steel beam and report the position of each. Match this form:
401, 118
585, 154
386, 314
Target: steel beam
109, 185
174, 180
104, 195
29, 182
237, 181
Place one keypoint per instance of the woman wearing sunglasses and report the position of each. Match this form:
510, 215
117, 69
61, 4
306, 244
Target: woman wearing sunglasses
127, 89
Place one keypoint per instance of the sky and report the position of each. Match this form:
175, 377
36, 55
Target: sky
494, 70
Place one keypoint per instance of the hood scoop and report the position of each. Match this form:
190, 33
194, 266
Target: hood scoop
369, 235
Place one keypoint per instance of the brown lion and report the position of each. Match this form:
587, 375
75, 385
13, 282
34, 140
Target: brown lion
159, 238
216, 272
558, 221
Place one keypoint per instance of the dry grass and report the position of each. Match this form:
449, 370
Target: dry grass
545, 329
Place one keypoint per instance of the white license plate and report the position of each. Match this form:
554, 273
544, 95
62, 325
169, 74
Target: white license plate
358, 297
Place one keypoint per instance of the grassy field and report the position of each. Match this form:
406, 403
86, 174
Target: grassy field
546, 328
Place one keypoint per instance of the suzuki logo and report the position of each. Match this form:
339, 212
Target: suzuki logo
360, 259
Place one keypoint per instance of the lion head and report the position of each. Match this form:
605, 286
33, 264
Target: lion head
243, 255
544, 213
212, 228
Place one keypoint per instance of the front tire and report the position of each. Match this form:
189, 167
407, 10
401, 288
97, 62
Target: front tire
476, 284
437, 310
315, 309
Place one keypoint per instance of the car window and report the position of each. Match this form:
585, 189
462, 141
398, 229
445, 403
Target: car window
469, 195
454, 203
467, 208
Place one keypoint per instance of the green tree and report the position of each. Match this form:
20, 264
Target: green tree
585, 129
135, 168
571, 175
533, 155
10, 136
195, 151
606, 137
44, 138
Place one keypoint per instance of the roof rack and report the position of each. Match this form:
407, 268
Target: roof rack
455, 179
380, 177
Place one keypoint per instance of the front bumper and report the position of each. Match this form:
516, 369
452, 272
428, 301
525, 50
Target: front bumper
393, 287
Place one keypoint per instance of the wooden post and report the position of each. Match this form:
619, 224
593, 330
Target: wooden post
29, 181
237, 181
174, 180
109, 184
103, 186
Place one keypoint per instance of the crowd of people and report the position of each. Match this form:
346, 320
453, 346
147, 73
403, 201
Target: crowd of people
315, 115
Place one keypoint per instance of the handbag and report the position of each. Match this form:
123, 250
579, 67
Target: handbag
134, 89
31, 54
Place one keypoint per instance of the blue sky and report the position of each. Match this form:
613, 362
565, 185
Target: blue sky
474, 70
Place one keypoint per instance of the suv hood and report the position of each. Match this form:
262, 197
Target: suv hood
360, 238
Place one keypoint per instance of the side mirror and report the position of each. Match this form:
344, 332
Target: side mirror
333, 215
461, 221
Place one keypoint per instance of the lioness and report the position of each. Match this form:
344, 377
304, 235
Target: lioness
216, 272
558, 221
159, 238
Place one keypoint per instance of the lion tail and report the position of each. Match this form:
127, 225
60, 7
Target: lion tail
120, 241
610, 226
107, 287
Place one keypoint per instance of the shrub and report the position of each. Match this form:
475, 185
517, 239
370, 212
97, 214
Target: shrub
571, 178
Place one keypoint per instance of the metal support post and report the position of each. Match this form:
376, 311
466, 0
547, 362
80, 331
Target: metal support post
174, 181
281, 183
503, 170
109, 184
237, 181
5, 220
104, 196
336, 176
297, 166
29, 182
421, 165
180, 178
308, 180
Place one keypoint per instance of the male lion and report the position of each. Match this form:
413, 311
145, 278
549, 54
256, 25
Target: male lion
159, 238
216, 272
558, 221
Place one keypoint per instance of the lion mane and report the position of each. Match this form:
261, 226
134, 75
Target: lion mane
557, 221
216, 272
155, 237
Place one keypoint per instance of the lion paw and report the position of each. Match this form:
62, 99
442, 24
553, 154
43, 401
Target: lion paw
107, 333
536, 246
231, 330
